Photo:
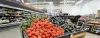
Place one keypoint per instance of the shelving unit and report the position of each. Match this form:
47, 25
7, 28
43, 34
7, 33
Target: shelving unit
13, 30
11, 5
7, 4
93, 27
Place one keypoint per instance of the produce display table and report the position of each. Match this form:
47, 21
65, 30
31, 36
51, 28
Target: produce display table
80, 35
94, 27
11, 32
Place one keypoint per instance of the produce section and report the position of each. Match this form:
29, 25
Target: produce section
94, 28
94, 25
23, 20
11, 16
37, 26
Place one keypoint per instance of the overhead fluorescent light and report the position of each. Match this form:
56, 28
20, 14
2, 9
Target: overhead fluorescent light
27, 3
79, 2
68, 2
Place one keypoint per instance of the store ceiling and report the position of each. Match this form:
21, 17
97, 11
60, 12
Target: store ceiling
58, 2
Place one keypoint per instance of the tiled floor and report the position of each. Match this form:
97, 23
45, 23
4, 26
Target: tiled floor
90, 35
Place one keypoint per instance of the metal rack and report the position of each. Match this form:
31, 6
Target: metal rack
7, 4
11, 5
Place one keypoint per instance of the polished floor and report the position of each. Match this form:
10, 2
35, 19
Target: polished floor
90, 35
10, 32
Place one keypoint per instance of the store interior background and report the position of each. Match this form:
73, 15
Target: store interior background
73, 7
53, 8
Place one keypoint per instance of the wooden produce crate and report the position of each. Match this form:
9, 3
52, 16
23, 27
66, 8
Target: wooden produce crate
81, 35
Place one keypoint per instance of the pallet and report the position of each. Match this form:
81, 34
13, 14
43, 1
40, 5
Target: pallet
81, 35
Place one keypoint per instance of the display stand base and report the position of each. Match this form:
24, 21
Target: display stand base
81, 35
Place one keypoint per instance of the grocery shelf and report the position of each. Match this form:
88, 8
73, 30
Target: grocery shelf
11, 24
93, 28
7, 4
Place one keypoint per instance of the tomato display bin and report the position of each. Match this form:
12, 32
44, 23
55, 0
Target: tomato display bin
63, 36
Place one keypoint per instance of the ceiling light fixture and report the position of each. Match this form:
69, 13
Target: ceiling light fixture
68, 2
79, 2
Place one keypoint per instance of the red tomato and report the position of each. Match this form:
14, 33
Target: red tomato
33, 32
28, 31
30, 35
34, 37
37, 31
51, 37
39, 36
49, 31
42, 25
57, 34
31, 29
41, 31
47, 35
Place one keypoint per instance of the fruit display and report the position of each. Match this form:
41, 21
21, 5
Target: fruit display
43, 29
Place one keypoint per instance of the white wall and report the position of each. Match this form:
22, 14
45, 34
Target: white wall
90, 7
73, 10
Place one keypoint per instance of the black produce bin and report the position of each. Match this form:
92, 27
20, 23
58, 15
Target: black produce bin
63, 36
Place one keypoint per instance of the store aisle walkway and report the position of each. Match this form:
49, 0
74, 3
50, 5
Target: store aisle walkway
10, 32
90, 35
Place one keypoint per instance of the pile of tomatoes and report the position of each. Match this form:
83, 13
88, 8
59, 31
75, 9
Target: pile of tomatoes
44, 29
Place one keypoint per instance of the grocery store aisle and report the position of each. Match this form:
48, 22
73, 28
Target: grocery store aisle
10, 32
90, 35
